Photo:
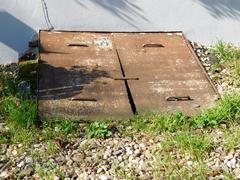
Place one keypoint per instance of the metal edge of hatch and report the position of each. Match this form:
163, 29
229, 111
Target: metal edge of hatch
56, 30
190, 47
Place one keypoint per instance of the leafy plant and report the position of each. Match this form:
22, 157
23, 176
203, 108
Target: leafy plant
98, 130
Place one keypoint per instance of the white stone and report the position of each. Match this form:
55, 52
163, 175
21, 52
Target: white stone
99, 170
21, 164
105, 177
189, 163
56, 178
28, 160
4, 174
232, 163
120, 158
14, 152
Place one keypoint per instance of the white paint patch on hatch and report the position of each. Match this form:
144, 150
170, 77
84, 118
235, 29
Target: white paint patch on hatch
104, 43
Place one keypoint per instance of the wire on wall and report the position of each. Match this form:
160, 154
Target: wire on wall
46, 15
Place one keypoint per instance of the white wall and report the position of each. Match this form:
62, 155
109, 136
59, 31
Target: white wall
203, 21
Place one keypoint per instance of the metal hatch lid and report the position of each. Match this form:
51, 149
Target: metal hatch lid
148, 69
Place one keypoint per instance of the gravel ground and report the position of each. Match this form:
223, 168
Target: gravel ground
113, 158
117, 157
221, 77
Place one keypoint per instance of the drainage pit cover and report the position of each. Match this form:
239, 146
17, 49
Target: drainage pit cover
103, 75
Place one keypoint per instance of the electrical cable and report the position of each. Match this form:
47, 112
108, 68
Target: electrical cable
46, 15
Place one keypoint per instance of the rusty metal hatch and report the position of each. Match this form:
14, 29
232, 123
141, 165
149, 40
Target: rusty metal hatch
99, 75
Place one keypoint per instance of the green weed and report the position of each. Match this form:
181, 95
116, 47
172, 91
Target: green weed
153, 123
61, 128
98, 130
226, 111
67, 126
7, 84
196, 145
4, 138
168, 167
226, 52
52, 147
123, 173
232, 138
229, 58
22, 136
170, 158
49, 170
20, 112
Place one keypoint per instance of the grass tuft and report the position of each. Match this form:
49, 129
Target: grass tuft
226, 52
19, 112
195, 144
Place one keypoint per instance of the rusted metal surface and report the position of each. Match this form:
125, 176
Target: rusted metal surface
170, 77
79, 80
117, 74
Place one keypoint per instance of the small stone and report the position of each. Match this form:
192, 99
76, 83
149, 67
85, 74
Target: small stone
69, 162
83, 175
78, 157
230, 156
120, 158
232, 163
28, 160
105, 177
56, 178
142, 146
117, 153
20, 145
129, 152
99, 170
4, 174
151, 141
237, 172
14, 152
115, 141
37, 145
137, 153
189, 163
21, 164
